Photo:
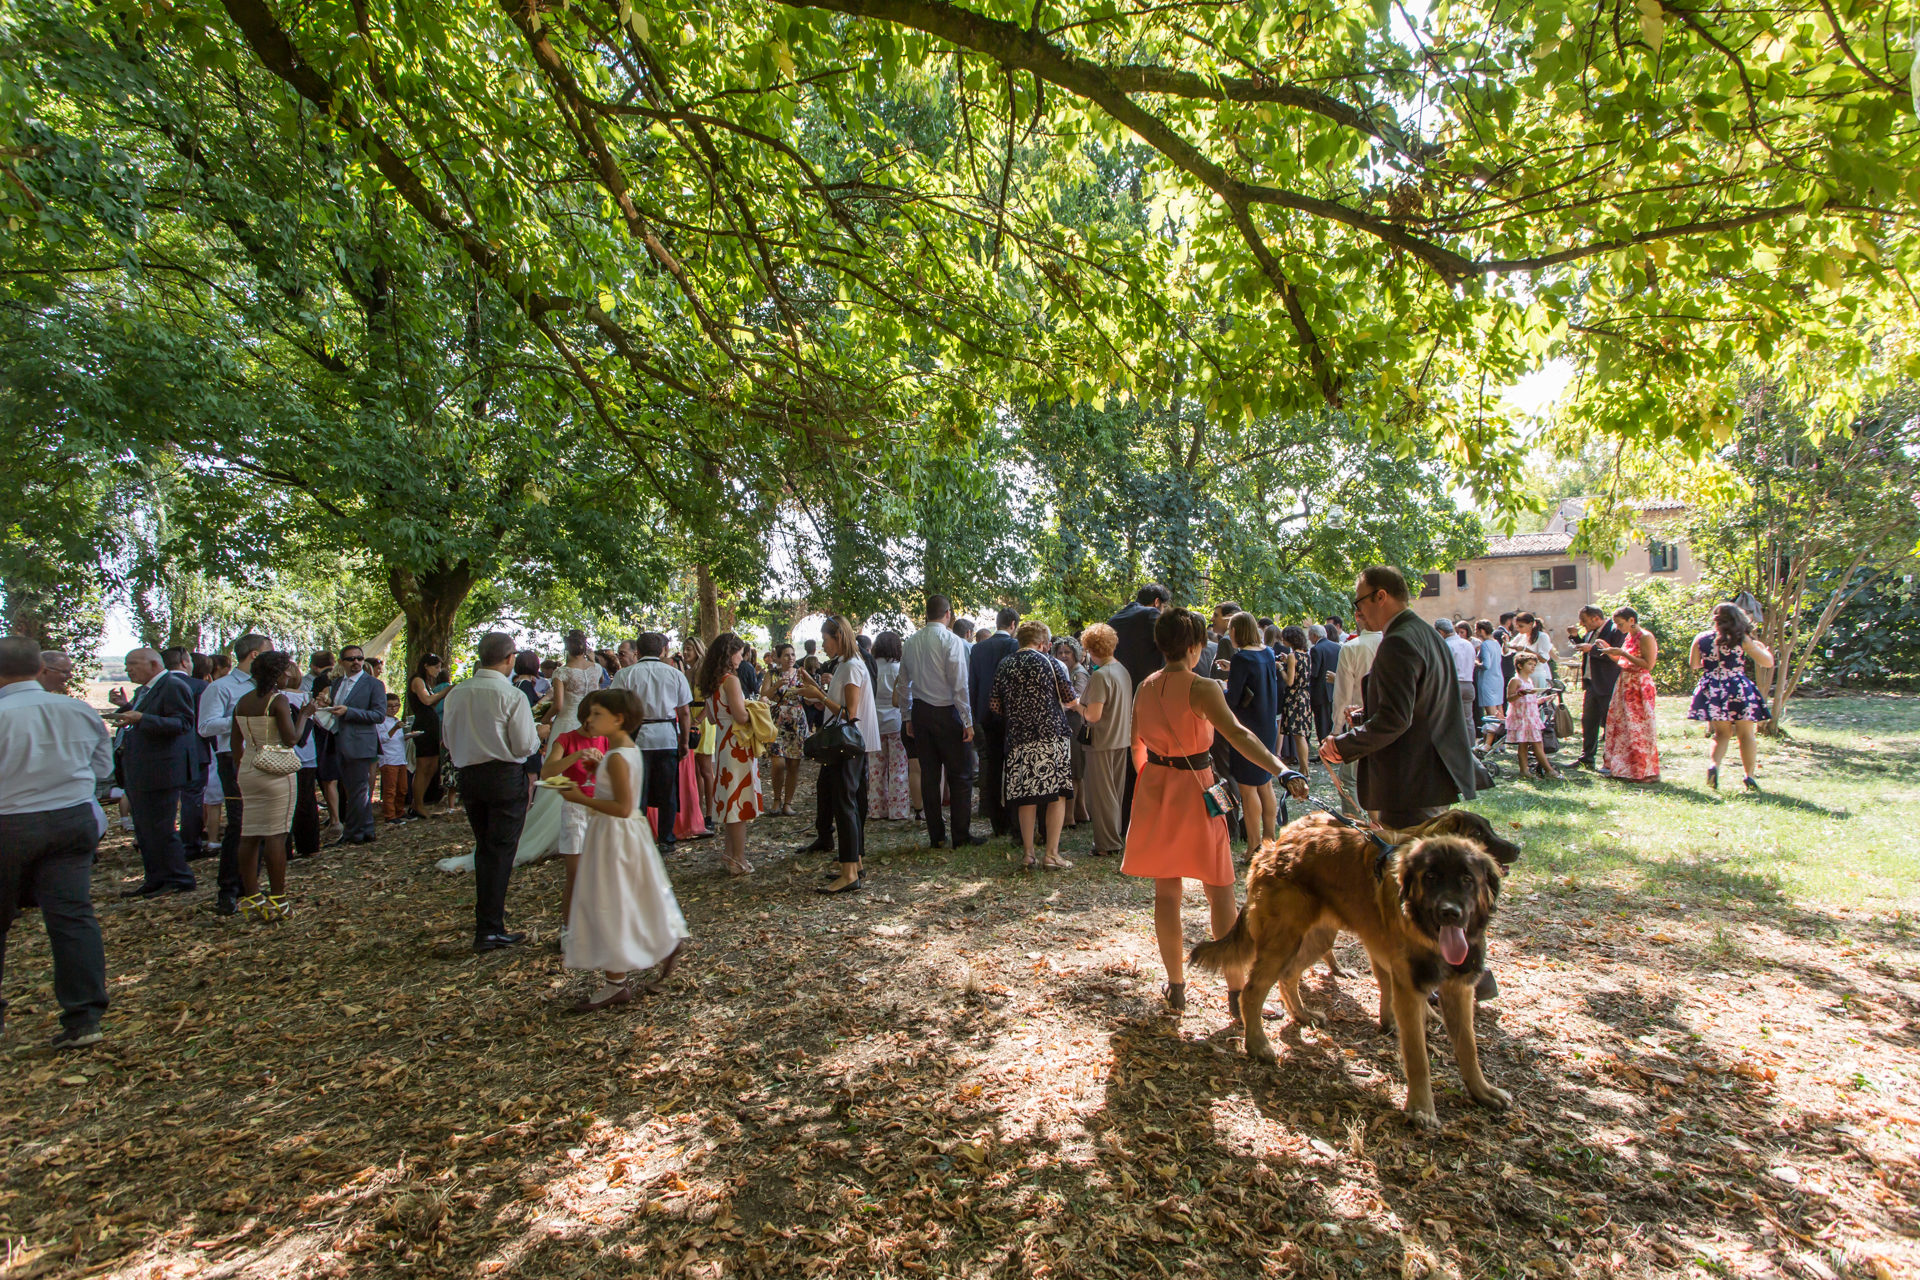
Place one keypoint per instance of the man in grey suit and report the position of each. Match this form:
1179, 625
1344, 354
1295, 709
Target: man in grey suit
1411, 741
359, 702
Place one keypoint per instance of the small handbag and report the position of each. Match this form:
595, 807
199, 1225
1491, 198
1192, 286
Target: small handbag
276, 761
834, 742
1563, 720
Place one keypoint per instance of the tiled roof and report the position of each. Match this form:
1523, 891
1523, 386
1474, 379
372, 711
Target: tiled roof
1529, 544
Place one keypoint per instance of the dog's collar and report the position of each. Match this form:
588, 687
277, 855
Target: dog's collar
1385, 848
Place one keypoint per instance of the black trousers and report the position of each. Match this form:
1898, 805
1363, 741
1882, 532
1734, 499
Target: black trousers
943, 755
842, 785
229, 838
662, 770
193, 819
1322, 718
306, 813
1593, 716
49, 855
156, 815
495, 797
1404, 819
992, 745
356, 799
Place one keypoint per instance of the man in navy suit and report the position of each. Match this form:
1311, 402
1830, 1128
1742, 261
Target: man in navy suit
158, 761
989, 729
1322, 660
193, 822
1140, 656
359, 702
1134, 626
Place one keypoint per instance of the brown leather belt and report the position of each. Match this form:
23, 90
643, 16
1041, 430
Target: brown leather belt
1192, 764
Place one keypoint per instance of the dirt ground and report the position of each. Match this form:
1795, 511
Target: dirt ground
966, 1071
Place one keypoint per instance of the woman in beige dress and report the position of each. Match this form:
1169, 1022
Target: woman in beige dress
264, 719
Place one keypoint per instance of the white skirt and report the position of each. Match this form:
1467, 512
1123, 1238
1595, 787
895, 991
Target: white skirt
625, 917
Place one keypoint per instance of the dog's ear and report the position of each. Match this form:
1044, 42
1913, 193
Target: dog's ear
1410, 864
1487, 871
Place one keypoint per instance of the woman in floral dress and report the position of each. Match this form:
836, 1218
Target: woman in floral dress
1632, 754
736, 787
782, 689
1726, 697
1031, 691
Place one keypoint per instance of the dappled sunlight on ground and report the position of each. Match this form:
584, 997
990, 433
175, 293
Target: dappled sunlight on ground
967, 1071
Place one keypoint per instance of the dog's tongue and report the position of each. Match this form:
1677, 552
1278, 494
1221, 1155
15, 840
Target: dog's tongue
1453, 944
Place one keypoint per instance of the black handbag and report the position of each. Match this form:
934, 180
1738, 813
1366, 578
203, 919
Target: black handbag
834, 742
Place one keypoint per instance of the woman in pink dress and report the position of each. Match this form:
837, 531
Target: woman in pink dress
1632, 754
736, 790
1174, 836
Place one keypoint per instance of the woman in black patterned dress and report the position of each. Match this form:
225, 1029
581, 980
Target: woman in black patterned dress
1032, 692
1296, 705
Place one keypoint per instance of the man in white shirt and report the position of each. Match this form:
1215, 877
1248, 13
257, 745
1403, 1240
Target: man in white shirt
666, 700
487, 728
937, 719
53, 751
1466, 656
216, 726
1356, 659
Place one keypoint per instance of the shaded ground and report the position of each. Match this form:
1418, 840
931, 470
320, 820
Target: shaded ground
966, 1072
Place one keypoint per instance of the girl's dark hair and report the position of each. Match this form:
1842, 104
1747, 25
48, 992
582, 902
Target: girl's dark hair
202, 666
526, 663
576, 643
1731, 621
267, 670
775, 651
713, 668
1293, 637
624, 703
427, 660
1627, 611
1177, 632
1270, 635
887, 646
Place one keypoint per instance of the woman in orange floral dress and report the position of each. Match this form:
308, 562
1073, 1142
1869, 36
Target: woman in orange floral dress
736, 788
1632, 752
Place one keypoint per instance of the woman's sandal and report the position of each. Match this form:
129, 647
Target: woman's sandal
1176, 994
1030, 863
1056, 863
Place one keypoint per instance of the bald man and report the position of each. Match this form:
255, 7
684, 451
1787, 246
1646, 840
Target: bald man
56, 671
158, 761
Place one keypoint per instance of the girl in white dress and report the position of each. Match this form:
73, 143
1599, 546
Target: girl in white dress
625, 917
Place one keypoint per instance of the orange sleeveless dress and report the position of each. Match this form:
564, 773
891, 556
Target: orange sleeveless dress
1171, 832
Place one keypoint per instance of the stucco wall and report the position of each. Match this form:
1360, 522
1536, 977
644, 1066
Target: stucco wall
1496, 584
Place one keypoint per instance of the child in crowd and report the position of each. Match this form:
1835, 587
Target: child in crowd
1523, 714
627, 917
395, 786
573, 755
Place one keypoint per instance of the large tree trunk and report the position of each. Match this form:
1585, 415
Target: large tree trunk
431, 602
708, 619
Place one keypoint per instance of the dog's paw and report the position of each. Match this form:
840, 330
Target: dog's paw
1497, 1098
1426, 1118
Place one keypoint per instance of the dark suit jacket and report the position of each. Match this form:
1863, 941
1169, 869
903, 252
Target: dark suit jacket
1412, 743
203, 751
357, 735
1323, 660
1136, 650
1602, 674
163, 750
982, 663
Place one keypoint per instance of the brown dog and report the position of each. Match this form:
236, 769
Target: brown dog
1421, 908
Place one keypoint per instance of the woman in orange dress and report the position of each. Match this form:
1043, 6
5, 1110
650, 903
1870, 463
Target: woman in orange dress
1171, 836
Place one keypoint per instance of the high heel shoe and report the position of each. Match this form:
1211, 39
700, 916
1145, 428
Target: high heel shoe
1713, 777
277, 908
254, 907
1751, 784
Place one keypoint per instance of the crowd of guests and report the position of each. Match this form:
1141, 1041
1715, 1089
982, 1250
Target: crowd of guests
1170, 733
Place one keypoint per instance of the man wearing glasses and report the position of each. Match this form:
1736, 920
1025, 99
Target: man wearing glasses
359, 703
1409, 736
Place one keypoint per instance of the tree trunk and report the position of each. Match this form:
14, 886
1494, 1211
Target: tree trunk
431, 602
708, 620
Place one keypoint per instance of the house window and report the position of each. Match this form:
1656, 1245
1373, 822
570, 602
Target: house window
1663, 557
1429, 585
1561, 577
1460, 579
